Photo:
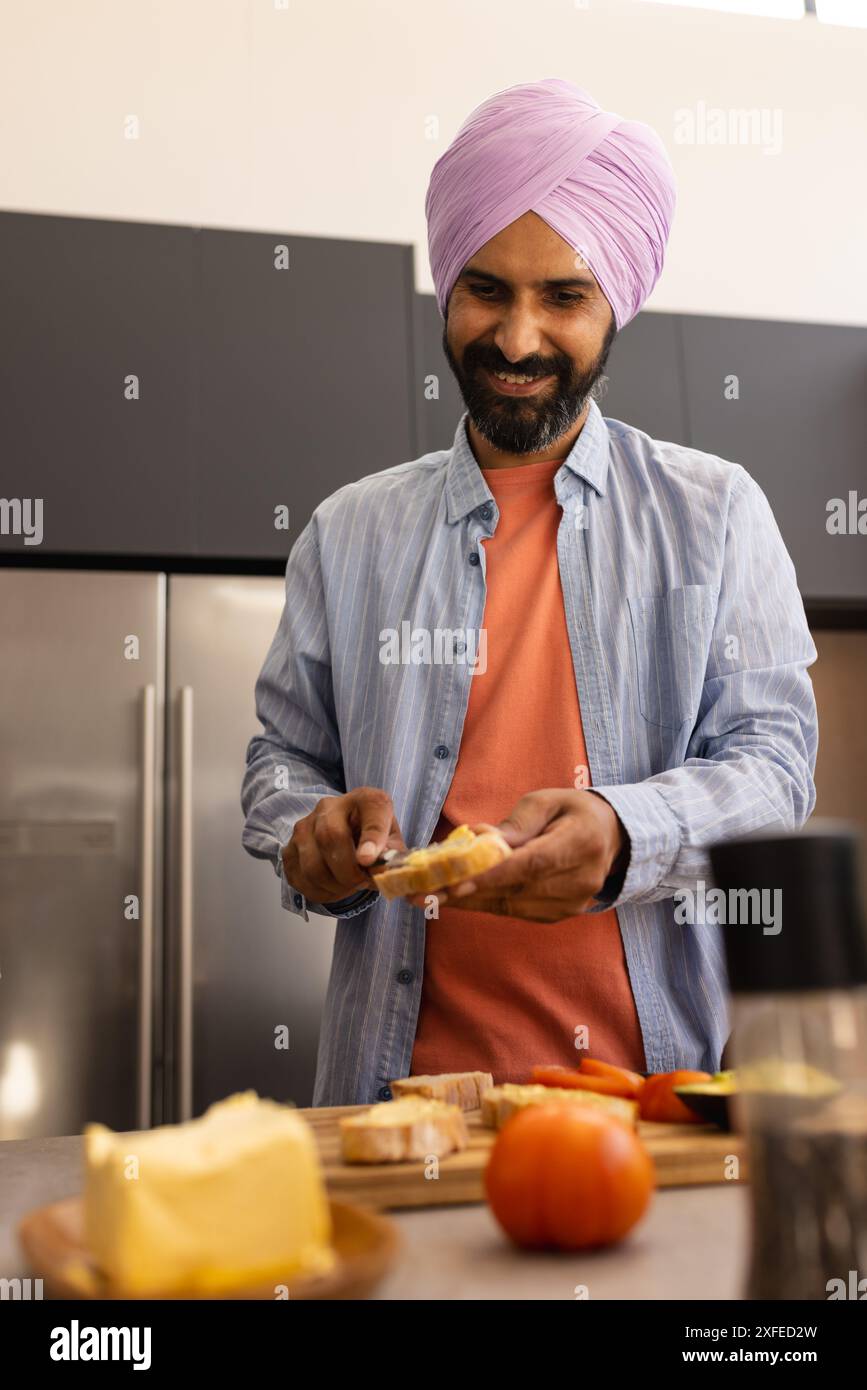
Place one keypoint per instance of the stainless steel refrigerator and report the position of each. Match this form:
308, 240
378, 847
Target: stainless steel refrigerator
146, 966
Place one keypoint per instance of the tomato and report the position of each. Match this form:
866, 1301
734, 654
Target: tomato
579, 1081
658, 1101
567, 1178
590, 1067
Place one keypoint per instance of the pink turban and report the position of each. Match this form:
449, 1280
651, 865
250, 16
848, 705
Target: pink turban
605, 185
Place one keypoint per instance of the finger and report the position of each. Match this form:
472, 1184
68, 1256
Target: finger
335, 840
530, 864
315, 878
572, 891
302, 862
460, 890
375, 818
395, 838
517, 880
530, 815
563, 848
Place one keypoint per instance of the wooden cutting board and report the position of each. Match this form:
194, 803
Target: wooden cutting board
684, 1156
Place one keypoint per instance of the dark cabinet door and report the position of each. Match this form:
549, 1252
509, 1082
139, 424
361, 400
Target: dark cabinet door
304, 381
798, 424
86, 307
644, 383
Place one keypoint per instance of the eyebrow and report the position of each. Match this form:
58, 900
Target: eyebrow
564, 282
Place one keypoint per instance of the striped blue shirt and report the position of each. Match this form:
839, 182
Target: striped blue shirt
690, 648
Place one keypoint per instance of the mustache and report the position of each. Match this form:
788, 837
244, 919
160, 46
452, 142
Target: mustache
517, 369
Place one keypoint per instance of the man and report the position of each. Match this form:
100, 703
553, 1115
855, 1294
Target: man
624, 678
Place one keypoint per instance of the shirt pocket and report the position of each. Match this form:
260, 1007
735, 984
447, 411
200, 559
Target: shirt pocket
670, 634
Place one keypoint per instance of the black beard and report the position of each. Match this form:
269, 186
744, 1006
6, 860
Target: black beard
524, 424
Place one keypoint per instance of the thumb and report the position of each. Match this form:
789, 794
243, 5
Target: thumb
376, 822
529, 817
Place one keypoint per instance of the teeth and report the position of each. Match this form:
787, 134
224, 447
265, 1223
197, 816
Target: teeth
514, 380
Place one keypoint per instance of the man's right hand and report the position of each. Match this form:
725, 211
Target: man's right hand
327, 855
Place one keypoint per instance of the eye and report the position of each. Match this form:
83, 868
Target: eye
564, 299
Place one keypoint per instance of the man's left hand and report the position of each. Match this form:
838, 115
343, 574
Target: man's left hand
565, 846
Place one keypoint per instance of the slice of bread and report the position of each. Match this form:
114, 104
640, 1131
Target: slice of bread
462, 854
396, 1130
502, 1101
462, 1088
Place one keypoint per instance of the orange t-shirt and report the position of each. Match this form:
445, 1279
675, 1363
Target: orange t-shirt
501, 994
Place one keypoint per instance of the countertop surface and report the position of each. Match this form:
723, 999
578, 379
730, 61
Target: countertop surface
690, 1245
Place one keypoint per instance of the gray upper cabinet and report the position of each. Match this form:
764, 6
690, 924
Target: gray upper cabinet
798, 425
173, 392
166, 389
644, 381
96, 355
304, 381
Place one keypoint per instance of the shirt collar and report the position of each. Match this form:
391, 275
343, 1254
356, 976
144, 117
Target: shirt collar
466, 488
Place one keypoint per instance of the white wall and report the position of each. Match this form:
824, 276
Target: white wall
312, 120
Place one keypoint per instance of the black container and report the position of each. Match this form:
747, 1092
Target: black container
796, 949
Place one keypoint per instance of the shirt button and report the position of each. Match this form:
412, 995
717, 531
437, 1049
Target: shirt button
441, 751
384, 1093
298, 901
460, 647
474, 559
404, 977
486, 511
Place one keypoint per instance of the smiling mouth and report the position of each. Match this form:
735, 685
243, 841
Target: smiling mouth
516, 388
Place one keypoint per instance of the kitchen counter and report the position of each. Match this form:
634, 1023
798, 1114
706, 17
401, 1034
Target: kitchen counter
691, 1244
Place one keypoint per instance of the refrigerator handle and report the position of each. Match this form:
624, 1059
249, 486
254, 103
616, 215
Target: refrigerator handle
146, 939
185, 983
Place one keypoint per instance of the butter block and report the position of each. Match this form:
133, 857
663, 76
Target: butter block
235, 1197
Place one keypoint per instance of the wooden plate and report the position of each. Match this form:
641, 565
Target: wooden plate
53, 1240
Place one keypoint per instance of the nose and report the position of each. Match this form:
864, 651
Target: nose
518, 336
